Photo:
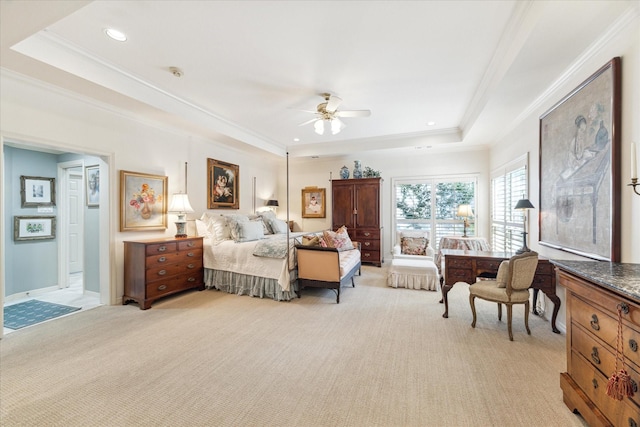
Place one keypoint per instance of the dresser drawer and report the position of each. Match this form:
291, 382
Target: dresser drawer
186, 245
164, 287
602, 357
370, 245
161, 248
189, 256
369, 256
162, 259
605, 327
367, 234
594, 384
163, 272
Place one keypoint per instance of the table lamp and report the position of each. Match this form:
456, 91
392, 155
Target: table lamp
524, 204
181, 206
273, 204
465, 212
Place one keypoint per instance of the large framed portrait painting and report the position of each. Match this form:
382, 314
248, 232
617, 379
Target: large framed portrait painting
580, 168
222, 185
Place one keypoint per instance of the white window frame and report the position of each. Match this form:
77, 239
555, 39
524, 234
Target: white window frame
433, 222
511, 225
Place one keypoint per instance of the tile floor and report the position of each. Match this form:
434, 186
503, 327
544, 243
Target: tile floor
73, 296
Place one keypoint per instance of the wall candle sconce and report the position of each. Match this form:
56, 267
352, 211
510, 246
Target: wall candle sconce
634, 169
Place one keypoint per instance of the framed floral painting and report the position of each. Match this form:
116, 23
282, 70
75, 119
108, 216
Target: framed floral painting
223, 183
143, 201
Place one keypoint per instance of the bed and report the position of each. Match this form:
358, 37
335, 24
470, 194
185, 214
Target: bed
247, 255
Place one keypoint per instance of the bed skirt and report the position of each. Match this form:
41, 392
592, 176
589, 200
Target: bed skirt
242, 284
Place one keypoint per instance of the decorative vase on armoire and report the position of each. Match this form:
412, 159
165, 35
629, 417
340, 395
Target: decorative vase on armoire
344, 172
357, 169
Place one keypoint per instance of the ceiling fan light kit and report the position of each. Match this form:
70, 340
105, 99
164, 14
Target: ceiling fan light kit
328, 111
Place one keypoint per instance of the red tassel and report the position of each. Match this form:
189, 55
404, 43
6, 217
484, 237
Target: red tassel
619, 385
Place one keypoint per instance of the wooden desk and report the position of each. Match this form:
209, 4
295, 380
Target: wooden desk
465, 266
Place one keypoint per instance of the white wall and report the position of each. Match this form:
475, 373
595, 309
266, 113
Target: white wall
48, 119
524, 138
307, 172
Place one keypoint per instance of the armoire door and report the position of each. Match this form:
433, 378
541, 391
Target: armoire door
343, 205
367, 204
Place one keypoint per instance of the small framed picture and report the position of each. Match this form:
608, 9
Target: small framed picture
143, 201
92, 185
37, 191
34, 227
313, 202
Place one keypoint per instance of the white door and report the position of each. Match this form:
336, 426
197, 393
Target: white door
75, 204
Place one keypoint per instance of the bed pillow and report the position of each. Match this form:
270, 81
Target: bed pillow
234, 221
249, 231
338, 239
278, 226
267, 216
413, 245
503, 274
202, 229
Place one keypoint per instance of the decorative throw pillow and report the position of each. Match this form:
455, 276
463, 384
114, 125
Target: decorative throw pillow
503, 274
249, 231
202, 229
233, 220
414, 245
217, 228
310, 240
278, 226
338, 239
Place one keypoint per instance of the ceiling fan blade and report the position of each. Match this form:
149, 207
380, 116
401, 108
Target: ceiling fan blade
333, 103
353, 113
309, 121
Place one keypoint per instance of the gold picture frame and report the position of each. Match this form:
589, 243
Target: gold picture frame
143, 201
314, 202
223, 185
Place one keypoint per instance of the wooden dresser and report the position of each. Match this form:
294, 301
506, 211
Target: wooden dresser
156, 268
356, 205
594, 292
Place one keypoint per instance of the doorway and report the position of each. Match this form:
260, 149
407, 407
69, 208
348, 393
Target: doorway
93, 270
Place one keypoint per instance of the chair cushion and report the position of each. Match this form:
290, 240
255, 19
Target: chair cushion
488, 289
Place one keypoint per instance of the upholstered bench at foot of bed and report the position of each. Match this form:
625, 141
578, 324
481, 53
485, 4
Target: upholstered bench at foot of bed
413, 274
327, 268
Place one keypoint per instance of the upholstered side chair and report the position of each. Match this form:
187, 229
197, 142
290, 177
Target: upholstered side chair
511, 286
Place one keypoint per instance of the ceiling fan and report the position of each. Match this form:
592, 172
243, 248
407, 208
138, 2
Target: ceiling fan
327, 111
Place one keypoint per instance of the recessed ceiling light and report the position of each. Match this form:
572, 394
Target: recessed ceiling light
115, 34
296, 139
431, 123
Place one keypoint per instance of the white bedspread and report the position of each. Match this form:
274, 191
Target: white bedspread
239, 258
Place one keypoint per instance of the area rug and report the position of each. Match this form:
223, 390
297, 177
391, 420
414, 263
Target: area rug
30, 312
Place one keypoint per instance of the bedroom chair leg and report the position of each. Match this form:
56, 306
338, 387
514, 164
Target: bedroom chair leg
353, 284
472, 302
338, 296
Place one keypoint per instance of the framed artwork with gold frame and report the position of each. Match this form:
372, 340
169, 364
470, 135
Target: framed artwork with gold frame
313, 202
143, 201
223, 185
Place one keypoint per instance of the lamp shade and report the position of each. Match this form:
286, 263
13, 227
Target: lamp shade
272, 203
465, 211
180, 203
524, 204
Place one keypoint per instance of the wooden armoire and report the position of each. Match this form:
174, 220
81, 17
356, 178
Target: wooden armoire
356, 205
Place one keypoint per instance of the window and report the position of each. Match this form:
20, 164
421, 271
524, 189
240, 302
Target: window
431, 204
508, 185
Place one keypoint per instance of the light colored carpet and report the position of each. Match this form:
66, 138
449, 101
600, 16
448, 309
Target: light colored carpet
382, 357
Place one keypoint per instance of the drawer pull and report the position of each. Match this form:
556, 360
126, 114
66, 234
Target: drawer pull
595, 383
162, 248
162, 259
634, 386
633, 345
632, 422
162, 272
367, 243
190, 244
190, 266
162, 287
594, 356
594, 322
191, 279
624, 307
367, 255
190, 254
367, 234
